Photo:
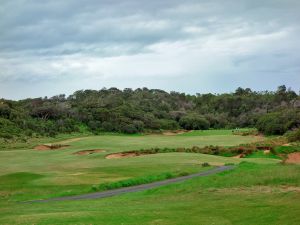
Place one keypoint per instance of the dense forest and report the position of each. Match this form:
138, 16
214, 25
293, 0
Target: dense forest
146, 110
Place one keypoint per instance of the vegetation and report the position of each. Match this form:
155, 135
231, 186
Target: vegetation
138, 181
232, 197
142, 110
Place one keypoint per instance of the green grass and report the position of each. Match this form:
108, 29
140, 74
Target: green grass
250, 194
213, 132
261, 154
287, 149
256, 192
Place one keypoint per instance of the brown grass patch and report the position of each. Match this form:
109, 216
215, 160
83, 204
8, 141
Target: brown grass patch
293, 158
256, 189
88, 152
50, 147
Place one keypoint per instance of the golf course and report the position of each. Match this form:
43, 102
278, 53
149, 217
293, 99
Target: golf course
259, 189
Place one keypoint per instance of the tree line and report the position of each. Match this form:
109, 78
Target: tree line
141, 110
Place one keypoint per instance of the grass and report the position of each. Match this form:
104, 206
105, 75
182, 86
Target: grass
138, 181
256, 192
261, 154
250, 194
287, 149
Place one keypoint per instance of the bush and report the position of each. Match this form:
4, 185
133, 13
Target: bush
135, 181
128, 129
205, 164
277, 123
194, 122
293, 136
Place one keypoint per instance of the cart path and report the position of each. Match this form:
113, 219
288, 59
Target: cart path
104, 194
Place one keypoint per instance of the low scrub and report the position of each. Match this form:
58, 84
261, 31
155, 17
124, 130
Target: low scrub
137, 181
250, 132
293, 136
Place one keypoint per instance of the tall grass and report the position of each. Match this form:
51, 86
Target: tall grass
137, 181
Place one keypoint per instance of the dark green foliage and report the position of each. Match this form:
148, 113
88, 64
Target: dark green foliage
136, 181
205, 164
293, 136
246, 149
278, 122
132, 111
194, 122
286, 149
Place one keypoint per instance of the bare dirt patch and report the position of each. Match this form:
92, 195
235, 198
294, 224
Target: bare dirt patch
124, 155
88, 152
293, 158
50, 147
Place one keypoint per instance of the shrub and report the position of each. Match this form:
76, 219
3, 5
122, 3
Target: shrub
293, 136
205, 164
194, 122
128, 129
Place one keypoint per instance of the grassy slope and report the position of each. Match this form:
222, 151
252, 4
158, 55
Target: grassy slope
28, 174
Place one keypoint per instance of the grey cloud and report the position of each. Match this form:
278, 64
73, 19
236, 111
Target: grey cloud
43, 40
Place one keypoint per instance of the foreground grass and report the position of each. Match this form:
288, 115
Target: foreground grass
250, 194
257, 192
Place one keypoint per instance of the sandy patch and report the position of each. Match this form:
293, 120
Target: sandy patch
238, 156
287, 144
50, 147
266, 152
88, 152
293, 158
124, 155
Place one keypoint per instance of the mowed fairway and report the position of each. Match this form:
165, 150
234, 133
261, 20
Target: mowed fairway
226, 198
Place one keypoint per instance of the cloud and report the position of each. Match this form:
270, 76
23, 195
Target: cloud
156, 43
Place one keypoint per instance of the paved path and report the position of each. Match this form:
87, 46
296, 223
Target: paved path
142, 187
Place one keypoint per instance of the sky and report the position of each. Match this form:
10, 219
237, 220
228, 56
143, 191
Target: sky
58, 47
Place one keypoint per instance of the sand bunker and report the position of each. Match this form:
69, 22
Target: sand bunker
50, 147
88, 152
266, 152
239, 156
293, 158
124, 155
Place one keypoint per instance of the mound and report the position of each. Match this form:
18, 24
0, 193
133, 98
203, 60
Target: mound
88, 152
50, 147
293, 158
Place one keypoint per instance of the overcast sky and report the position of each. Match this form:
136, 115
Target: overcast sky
53, 47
